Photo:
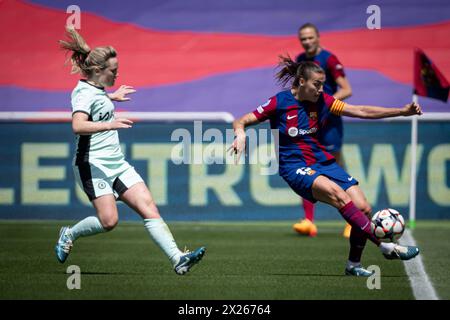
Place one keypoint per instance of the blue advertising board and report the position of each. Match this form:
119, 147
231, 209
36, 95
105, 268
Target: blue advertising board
37, 180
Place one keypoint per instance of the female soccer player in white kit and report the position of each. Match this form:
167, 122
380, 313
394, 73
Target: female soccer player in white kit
99, 164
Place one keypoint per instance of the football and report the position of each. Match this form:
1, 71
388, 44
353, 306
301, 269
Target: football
388, 225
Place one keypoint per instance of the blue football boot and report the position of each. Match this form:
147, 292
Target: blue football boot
358, 271
402, 253
188, 259
64, 245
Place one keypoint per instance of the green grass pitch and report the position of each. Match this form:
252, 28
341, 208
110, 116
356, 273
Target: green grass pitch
244, 260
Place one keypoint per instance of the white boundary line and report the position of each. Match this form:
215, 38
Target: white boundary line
144, 116
181, 116
427, 116
420, 284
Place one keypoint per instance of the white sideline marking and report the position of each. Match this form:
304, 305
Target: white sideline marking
145, 116
420, 284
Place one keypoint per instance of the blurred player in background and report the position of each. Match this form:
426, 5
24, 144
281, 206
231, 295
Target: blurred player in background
99, 164
331, 135
304, 163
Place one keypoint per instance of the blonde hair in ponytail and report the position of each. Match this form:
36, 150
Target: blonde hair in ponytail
84, 60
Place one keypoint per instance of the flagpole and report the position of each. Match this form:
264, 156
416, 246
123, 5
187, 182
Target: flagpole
412, 190
428, 81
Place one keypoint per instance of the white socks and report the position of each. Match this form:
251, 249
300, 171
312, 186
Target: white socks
157, 228
387, 248
86, 227
160, 233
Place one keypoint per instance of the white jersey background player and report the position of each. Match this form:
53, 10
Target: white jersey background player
99, 164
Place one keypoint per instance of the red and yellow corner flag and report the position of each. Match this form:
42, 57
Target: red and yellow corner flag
428, 80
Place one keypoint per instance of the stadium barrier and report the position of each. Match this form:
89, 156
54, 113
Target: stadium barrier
37, 180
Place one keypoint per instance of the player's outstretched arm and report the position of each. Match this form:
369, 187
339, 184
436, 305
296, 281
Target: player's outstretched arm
82, 126
371, 112
239, 126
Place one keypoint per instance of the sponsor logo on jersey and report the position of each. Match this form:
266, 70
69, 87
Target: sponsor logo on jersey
293, 131
102, 117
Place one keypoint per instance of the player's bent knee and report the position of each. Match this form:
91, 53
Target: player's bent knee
109, 223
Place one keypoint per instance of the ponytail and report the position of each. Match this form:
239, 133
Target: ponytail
293, 71
84, 60
288, 71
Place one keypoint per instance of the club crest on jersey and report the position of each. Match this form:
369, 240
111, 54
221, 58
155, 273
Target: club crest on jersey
101, 185
293, 131
313, 115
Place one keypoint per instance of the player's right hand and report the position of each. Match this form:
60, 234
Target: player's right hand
412, 109
237, 147
122, 93
121, 123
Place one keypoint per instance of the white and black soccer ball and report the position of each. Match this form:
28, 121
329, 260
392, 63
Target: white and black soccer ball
388, 225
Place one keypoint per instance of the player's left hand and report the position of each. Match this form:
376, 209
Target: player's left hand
412, 109
120, 94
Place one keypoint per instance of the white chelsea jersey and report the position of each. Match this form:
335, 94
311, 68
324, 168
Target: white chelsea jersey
103, 146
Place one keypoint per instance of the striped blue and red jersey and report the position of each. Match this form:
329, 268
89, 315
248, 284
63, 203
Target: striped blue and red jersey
330, 64
299, 124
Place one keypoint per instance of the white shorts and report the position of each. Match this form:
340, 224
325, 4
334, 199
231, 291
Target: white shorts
98, 179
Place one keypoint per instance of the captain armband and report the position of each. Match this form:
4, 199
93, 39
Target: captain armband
337, 107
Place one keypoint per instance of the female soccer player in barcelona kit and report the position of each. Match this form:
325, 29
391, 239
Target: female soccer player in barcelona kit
332, 133
298, 114
99, 164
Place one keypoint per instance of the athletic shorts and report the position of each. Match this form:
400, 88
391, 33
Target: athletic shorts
332, 134
301, 178
99, 178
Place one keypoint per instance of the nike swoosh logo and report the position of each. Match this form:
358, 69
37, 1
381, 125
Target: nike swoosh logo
350, 179
365, 225
291, 117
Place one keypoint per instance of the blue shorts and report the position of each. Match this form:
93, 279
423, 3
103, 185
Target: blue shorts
301, 178
332, 134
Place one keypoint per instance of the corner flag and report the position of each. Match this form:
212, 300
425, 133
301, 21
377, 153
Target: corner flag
428, 80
